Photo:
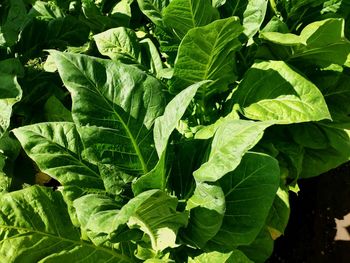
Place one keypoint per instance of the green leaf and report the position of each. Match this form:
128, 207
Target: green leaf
183, 15
154, 179
153, 9
231, 141
249, 193
12, 22
309, 135
287, 97
54, 110
279, 214
9, 150
56, 148
207, 207
118, 41
46, 11
235, 256
165, 124
122, 100
253, 16
10, 94
153, 211
151, 57
35, 222
261, 248
321, 43
207, 53
319, 161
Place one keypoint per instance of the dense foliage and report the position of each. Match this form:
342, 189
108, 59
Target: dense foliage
165, 130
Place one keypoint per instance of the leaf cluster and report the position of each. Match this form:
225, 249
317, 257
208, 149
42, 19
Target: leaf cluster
165, 130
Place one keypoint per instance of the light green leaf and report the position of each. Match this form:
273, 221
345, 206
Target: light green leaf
207, 53
206, 132
121, 100
46, 11
271, 90
322, 43
231, 141
183, 15
118, 41
235, 256
218, 3
154, 179
151, 57
153, 9
56, 148
153, 211
165, 124
35, 227
10, 94
249, 193
253, 16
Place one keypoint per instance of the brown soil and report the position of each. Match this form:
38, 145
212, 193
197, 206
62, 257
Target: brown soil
309, 237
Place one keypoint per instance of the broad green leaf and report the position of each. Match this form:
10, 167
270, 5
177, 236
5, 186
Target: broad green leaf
183, 15
335, 89
309, 135
56, 148
253, 16
322, 43
249, 193
207, 53
10, 93
153, 9
261, 248
118, 41
35, 227
153, 211
271, 90
122, 100
319, 161
165, 124
235, 256
207, 207
231, 141
12, 66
